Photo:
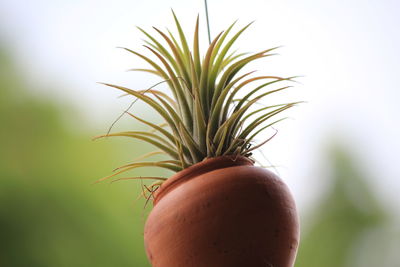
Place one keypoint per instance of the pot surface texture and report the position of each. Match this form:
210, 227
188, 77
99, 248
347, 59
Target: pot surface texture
222, 212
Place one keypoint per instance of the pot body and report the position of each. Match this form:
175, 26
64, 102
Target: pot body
222, 213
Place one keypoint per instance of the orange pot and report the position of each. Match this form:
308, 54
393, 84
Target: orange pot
222, 212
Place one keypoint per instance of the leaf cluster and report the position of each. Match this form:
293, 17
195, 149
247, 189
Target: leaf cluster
208, 111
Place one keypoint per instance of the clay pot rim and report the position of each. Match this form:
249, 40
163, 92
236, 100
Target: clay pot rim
207, 165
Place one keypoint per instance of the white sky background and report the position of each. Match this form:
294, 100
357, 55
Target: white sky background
347, 51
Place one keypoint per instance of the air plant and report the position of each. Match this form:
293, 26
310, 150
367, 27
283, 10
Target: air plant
208, 110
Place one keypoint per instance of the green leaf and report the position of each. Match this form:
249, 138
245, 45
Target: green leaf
250, 139
178, 134
225, 50
179, 58
152, 63
230, 59
194, 149
140, 178
150, 154
261, 144
181, 97
235, 123
155, 72
231, 122
236, 67
147, 137
264, 117
204, 89
216, 110
220, 42
156, 127
160, 164
161, 94
185, 46
172, 162
160, 110
196, 49
218, 152
160, 48
239, 87
243, 100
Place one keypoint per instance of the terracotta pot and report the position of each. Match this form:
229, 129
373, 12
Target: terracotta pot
222, 212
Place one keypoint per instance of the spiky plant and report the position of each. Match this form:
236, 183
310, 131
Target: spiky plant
205, 116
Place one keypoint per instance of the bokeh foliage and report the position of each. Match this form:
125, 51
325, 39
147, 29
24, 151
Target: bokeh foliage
347, 212
50, 213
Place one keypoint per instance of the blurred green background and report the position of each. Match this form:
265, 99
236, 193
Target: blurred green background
50, 212
52, 215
